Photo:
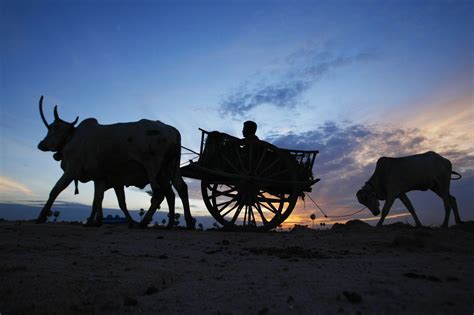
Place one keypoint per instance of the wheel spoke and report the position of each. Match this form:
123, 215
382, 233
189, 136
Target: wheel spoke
225, 192
237, 152
266, 199
267, 207
269, 166
226, 203
236, 215
230, 164
259, 210
276, 174
245, 214
230, 210
262, 157
263, 198
252, 217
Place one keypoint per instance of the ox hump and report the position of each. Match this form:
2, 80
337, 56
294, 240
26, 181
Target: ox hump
89, 122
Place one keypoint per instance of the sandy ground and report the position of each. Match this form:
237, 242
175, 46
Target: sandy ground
65, 268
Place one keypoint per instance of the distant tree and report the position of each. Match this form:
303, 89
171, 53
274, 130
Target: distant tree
176, 218
163, 221
312, 217
200, 226
50, 213
141, 213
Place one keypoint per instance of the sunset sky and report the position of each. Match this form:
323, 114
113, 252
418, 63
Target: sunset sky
355, 80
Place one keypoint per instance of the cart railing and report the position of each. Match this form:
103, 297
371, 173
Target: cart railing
304, 159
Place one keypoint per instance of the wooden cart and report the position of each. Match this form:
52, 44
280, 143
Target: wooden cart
250, 184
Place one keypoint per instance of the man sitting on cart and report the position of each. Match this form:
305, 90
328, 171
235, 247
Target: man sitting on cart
249, 130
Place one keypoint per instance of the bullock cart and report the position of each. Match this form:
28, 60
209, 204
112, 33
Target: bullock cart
250, 184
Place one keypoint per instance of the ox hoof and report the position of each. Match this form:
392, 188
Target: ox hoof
142, 225
89, 224
41, 220
191, 224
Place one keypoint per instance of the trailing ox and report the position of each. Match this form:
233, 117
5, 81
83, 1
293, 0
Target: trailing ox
117, 155
394, 177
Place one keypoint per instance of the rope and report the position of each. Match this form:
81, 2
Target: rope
188, 161
187, 153
334, 216
190, 150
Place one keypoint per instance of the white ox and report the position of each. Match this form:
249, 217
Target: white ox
117, 155
394, 177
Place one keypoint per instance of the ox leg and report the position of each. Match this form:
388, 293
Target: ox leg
152, 169
444, 194
156, 200
120, 193
447, 212
182, 190
61, 184
454, 205
409, 206
386, 208
170, 199
96, 216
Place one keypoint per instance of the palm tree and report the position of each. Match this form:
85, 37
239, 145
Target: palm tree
312, 217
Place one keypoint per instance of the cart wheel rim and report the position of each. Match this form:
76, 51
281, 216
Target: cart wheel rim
252, 205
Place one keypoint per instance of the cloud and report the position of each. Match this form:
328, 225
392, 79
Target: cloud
348, 153
287, 90
8, 185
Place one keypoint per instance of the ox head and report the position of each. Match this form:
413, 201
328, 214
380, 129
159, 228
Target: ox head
367, 196
59, 131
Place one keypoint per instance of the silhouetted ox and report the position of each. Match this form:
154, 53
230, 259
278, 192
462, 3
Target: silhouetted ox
114, 156
394, 177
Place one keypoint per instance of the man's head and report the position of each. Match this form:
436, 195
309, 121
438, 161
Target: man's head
250, 127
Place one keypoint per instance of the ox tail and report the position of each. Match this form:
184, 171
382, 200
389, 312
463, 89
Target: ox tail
76, 190
456, 173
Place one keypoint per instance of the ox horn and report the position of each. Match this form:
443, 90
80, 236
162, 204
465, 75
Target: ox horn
75, 121
56, 116
41, 112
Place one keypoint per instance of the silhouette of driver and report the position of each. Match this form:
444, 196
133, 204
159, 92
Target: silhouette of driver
250, 127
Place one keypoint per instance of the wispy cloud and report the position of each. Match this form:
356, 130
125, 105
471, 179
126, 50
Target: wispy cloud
8, 185
304, 69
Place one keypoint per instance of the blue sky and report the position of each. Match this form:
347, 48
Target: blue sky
310, 73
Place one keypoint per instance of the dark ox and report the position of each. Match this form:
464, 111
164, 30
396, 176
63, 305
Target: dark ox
114, 156
394, 177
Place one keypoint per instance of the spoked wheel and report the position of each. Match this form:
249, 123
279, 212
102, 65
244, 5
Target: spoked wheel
261, 198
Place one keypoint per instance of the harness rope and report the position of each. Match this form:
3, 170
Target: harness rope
333, 216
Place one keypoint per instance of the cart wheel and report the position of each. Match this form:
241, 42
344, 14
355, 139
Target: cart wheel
253, 203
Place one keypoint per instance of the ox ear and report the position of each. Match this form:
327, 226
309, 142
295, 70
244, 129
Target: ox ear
75, 121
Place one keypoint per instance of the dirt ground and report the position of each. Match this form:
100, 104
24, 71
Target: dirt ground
60, 268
